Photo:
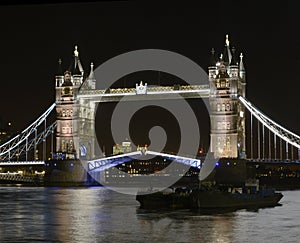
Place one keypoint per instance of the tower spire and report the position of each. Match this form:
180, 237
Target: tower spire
90, 82
59, 69
92, 75
227, 40
75, 66
233, 58
76, 53
242, 67
212, 62
226, 53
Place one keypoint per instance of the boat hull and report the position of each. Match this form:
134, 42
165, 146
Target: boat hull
198, 199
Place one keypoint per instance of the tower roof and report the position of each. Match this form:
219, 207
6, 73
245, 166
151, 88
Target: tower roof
233, 62
226, 58
241, 66
76, 70
92, 75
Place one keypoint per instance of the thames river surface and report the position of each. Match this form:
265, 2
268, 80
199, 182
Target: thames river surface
96, 214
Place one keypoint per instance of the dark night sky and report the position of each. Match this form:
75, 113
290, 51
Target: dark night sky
33, 37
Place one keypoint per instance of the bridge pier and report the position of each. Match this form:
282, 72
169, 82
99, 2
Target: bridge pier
65, 173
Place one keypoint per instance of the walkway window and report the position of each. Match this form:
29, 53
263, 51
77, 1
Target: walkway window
223, 84
63, 144
228, 125
227, 107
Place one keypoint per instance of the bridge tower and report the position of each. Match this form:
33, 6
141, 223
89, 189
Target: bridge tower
227, 81
67, 85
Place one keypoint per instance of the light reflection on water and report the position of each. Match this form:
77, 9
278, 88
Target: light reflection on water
31, 214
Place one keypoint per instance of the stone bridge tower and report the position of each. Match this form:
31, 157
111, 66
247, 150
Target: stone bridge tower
227, 82
68, 111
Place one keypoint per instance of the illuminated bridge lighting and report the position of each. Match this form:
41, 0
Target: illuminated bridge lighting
108, 162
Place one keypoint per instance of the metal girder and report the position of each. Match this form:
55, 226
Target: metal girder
13, 143
278, 130
20, 150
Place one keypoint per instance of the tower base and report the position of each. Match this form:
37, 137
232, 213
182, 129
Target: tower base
66, 173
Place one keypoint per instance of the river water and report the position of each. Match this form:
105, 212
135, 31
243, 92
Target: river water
96, 214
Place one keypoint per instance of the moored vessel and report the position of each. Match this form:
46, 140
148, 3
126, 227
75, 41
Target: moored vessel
228, 186
249, 196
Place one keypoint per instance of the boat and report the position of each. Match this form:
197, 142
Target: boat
230, 185
216, 197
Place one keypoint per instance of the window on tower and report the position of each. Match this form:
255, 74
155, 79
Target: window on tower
66, 91
227, 83
228, 125
63, 145
223, 107
227, 107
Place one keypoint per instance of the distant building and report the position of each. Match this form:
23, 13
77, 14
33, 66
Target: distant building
123, 148
5, 132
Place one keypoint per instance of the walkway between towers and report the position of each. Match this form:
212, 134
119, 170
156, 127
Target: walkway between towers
144, 92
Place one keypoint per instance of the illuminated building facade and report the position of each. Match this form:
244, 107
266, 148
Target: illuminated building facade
5, 132
123, 148
227, 82
67, 85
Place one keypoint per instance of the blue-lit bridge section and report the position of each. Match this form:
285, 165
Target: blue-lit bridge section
108, 162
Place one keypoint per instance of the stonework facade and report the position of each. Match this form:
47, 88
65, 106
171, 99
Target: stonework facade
227, 82
72, 141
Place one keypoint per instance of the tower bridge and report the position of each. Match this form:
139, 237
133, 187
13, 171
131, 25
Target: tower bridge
77, 96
